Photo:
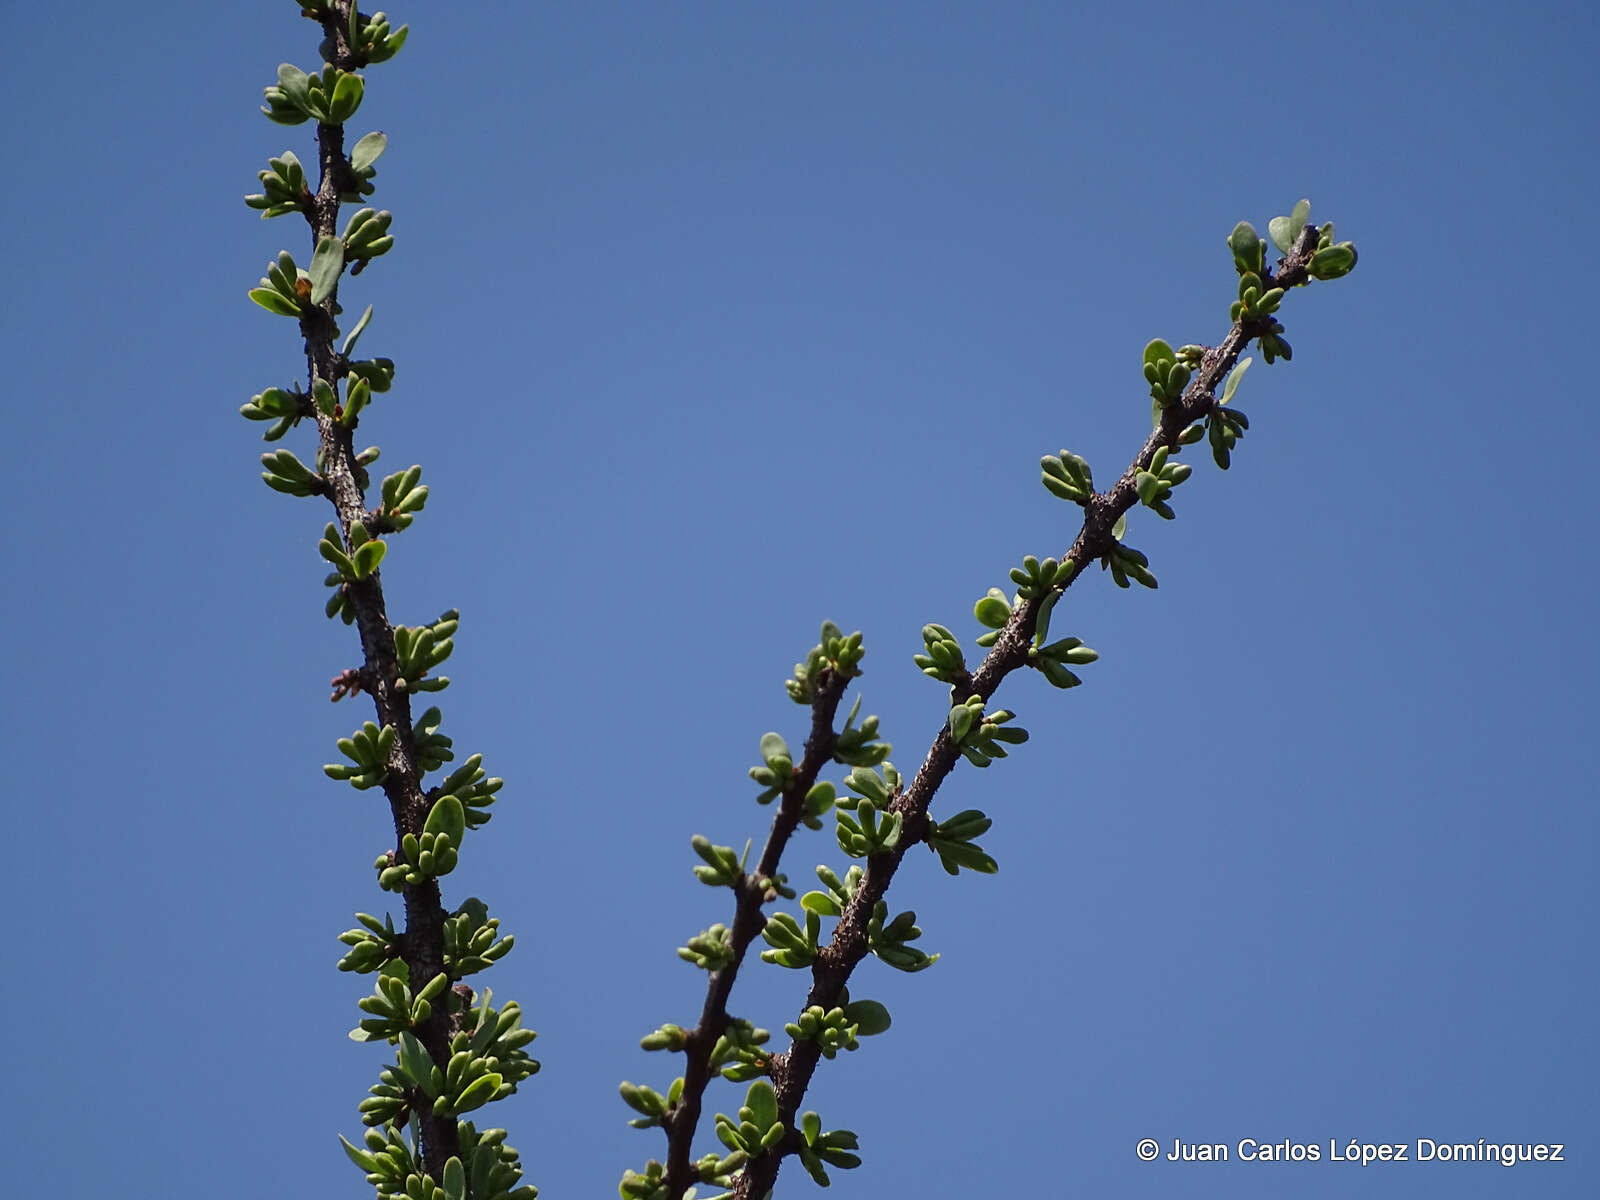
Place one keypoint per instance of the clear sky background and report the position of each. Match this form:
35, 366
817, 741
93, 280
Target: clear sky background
713, 321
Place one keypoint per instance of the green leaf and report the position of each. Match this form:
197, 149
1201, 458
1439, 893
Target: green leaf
814, 1167
350, 341
992, 610
360, 1157
1331, 262
1298, 219
367, 557
414, 1059
448, 817
325, 266
284, 463
1156, 351
870, 784
961, 718
820, 903
478, 1093
1232, 385
872, 1017
323, 395
365, 152
275, 301
1286, 231
296, 85
1278, 231
347, 94
455, 1180
774, 747
820, 798
762, 1102
1246, 247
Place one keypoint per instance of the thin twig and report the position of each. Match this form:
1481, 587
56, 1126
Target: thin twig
792, 1069
683, 1118
423, 938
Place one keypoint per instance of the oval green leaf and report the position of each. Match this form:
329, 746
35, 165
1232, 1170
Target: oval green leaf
773, 747
325, 266
960, 721
296, 86
1156, 351
365, 152
448, 817
1232, 385
367, 557
992, 611
1278, 231
478, 1093
346, 96
275, 301
1298, 219
872, 1017
1246, 246
820, 903
762, 1102
455, 1179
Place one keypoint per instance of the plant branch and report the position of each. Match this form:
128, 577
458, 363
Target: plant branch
423, 938
752, 891
792, 1070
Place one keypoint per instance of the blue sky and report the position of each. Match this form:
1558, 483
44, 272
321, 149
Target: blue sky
714, 321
